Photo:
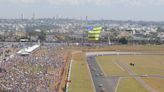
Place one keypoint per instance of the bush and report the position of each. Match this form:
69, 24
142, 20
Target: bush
123, 40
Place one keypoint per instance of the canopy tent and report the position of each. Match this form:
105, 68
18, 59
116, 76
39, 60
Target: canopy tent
28, 50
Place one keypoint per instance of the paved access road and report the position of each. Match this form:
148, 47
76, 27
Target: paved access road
120, 53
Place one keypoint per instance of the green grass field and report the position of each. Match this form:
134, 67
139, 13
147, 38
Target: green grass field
110, 67
156, 83
130, 85
80, 75
144, 65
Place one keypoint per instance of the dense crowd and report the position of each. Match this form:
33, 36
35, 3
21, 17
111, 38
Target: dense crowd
38, 72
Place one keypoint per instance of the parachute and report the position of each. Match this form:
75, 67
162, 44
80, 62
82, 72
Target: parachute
94, 34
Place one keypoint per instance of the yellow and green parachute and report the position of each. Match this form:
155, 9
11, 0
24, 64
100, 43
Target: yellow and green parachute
94, 34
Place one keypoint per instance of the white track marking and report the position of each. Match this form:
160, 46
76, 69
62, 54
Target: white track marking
117, 84
119, 66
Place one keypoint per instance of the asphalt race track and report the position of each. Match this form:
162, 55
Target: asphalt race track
100, 81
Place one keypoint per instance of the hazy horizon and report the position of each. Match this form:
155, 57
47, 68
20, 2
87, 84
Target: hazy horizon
136, 10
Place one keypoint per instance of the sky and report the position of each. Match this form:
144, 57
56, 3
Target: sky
145, 10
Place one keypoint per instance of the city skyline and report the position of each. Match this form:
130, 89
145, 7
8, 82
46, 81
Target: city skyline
145, 10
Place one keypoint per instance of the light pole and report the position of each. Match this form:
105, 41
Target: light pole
109, 42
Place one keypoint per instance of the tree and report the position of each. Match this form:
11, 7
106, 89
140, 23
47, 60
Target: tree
42, 36
123, 40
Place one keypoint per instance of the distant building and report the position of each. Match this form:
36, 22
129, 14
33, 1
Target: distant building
24, 40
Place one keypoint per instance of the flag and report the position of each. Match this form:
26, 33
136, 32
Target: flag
94, 33
89, 28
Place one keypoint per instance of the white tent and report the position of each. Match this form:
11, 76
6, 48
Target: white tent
28, 50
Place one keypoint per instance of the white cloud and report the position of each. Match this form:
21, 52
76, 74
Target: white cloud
21, 1
58, 2
77, 2
142, 2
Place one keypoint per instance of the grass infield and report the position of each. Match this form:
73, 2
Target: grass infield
80, 75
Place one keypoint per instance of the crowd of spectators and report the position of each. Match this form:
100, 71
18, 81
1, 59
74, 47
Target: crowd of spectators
38, 72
